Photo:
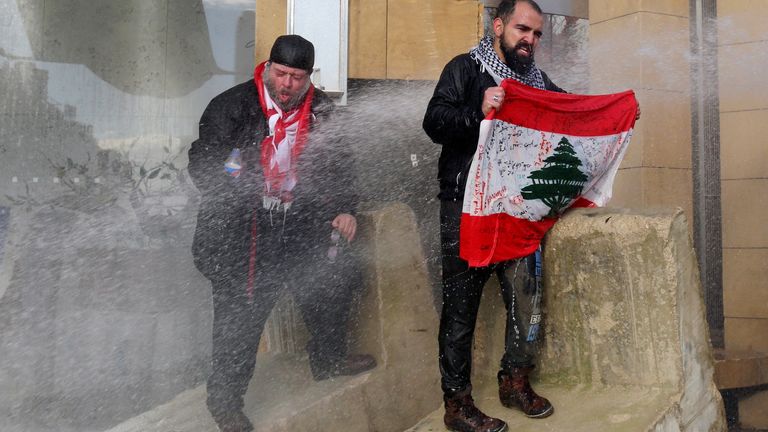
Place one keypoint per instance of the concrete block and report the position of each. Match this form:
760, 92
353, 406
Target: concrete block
610, 40
745, 283
628, 188
740, 369
741, 21
669, 188
746, 334
367, 39
601, 10
96, 320
666, 129
741, 87
620, 313
270, 23
744, 205
451, 27
653, 49
741, 133
624, 307
752, 411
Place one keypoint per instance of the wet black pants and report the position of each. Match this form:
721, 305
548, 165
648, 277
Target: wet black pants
462, 290
323, 293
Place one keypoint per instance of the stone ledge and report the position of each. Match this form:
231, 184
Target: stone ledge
735, 369
577, 409
282, 397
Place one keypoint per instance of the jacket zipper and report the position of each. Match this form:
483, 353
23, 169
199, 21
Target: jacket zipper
456, 189
458, 179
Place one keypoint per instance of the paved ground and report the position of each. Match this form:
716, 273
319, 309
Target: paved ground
576, 410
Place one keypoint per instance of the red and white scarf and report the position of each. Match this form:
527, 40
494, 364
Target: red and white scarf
280, 151
281, 148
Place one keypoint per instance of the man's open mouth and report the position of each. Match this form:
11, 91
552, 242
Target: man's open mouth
525, 49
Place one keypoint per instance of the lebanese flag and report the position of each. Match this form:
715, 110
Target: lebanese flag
542, 153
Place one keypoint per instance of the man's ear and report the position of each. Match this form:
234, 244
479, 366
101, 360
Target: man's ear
498, 27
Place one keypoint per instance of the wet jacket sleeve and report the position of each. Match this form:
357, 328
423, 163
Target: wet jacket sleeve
450, 119
218, 132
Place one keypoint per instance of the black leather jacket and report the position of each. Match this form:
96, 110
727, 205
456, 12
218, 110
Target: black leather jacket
325, 188
453, 120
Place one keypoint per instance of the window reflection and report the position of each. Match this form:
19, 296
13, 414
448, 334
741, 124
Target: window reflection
101, 309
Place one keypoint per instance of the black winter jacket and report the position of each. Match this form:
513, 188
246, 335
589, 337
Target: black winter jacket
232, 119
453, 120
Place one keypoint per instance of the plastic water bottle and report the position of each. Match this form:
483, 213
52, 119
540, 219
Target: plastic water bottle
333, 249
234, 164
533, 330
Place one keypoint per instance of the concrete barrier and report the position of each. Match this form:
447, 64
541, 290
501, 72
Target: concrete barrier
396, 322
626, 346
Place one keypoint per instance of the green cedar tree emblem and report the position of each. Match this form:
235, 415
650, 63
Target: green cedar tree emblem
558, 181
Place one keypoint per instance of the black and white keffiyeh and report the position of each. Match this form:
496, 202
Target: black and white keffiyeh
486, 57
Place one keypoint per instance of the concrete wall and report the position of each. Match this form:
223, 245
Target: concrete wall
392, 39
651, 37
743, 44
643, 45
271, 22
413, 40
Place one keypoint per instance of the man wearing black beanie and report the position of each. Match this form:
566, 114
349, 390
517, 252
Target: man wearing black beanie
277, 210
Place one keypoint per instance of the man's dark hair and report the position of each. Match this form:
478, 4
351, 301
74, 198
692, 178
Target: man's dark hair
507, 7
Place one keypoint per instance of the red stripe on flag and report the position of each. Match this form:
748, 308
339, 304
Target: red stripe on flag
479, 236
568, 114
583, 202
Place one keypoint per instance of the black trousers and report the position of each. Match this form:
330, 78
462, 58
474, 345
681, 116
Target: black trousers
323, 292
462, 290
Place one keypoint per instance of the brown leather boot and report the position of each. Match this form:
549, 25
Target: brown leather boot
515, 392
461, 415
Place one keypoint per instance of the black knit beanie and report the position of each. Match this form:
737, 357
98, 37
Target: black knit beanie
293, 51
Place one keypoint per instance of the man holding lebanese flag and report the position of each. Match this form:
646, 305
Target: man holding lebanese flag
517, 151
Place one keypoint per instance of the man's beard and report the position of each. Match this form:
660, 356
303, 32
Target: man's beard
291, 103
519, 64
